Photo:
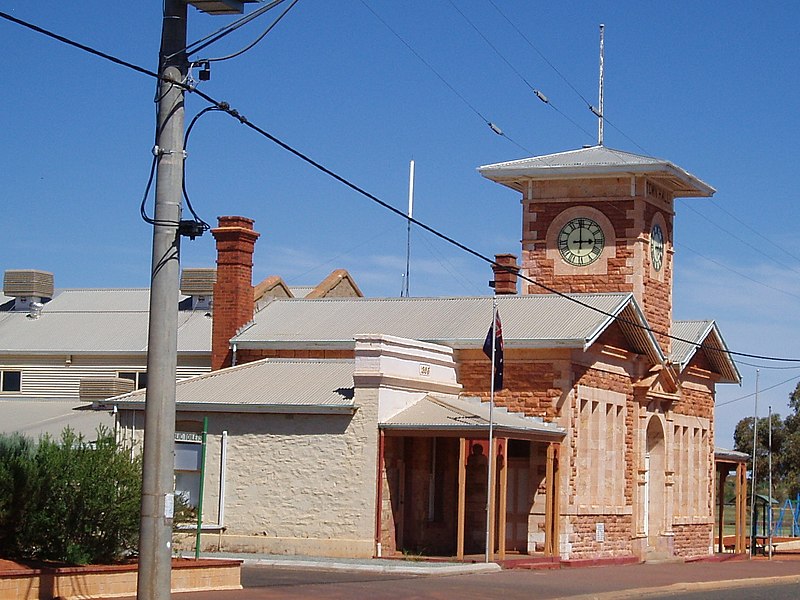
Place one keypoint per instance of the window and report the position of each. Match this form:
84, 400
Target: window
139, 378
188, 465
10, 381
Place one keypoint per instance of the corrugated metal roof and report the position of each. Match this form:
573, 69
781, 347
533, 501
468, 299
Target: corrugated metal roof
531, 321
268, 385
96, 321
725, 455
99, 300
459, 414
34, 418
596, 161
693, 334
690, 333
301, 291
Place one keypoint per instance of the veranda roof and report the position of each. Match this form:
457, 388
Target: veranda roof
464, 416
270, 385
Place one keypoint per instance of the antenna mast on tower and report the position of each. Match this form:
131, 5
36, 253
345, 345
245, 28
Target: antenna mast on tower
405, 291
599, 112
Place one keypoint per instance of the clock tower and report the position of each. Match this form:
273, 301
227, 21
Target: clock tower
600, 220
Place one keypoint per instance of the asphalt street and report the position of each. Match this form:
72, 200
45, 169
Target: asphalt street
732, 580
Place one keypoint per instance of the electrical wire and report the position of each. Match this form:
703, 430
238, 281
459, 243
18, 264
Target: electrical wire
203, 224
244, 121
742, 275
747, 226
495, 128
743, 241
539, 52
257, 40
203, 43
561, 75
142, 207
225, 107
772, 387
624, 214
540, 95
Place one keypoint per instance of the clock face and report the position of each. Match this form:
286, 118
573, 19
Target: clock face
581, 242
657, 247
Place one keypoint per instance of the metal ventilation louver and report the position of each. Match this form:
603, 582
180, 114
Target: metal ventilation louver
198, 282
24, 283
100, 388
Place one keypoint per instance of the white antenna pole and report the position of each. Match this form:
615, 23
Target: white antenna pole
600, 98
753, 475
410, 216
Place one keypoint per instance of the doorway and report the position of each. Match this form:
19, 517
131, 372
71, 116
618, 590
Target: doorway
655, 487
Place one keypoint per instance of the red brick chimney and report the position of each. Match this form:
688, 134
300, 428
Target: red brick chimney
233, 291
505, 275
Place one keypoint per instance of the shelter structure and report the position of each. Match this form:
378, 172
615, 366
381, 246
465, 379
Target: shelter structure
726, 461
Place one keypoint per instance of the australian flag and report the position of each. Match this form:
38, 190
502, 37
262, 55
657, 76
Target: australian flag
498, 350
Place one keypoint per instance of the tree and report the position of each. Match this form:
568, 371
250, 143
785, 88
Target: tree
785, 449
68, 500
743, 442
790, 456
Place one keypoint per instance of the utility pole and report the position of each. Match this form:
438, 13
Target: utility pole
155, 530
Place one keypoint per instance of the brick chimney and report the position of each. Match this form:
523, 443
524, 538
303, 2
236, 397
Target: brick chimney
505, 279
233, 290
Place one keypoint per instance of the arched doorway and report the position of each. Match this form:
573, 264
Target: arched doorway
655, 482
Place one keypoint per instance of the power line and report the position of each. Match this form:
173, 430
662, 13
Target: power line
225, 107
747, 226
563, 77
538, 93
494, 127
257, 40
613, 204
742, 275
202, 43
743, 241
772, 387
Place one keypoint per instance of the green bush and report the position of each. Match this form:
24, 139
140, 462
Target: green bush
68, 500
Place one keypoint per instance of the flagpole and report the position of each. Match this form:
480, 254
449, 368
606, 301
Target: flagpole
491, 430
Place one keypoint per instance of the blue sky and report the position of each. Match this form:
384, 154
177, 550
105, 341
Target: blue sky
711, 86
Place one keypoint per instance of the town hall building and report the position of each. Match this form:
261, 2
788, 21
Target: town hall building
359, 426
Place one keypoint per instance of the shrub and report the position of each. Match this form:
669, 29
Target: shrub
68, 500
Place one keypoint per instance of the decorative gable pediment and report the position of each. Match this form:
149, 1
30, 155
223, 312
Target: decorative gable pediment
661, 382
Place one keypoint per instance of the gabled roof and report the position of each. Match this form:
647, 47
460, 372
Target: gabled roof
529, 321
96, 321
266, 386
271, 287
730, 456
339, 284
705, 336
462, 415
596, 161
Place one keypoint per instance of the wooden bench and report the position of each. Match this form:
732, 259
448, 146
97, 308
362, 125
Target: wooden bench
761, 543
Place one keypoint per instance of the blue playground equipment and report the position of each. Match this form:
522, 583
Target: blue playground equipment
791, 513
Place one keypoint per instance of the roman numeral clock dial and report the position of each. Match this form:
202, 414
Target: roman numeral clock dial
581, 242
657, 247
